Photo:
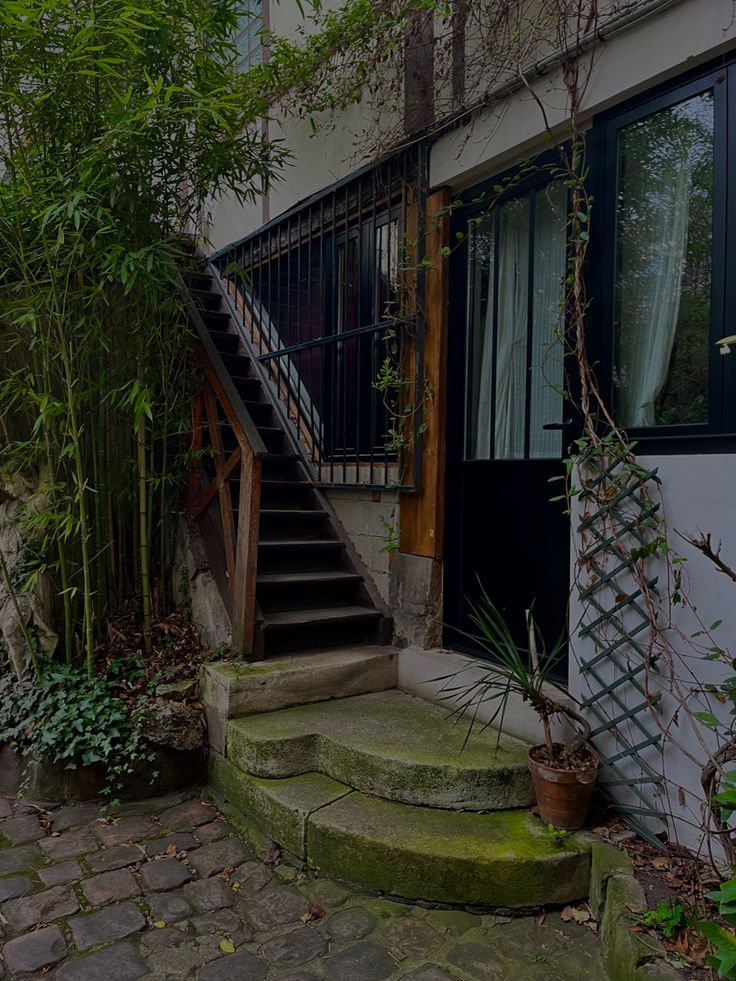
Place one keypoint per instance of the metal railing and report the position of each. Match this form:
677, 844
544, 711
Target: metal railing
329, 296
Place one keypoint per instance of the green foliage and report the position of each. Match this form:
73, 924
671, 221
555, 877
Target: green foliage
557, 835
723, 939
669, 918
72, 720
507, 673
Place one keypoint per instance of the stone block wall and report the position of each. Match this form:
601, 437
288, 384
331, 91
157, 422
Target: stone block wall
360, 512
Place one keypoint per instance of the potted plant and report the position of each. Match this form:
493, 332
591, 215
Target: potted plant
563, 774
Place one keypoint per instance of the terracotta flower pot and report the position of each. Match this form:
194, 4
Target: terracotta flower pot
563, 796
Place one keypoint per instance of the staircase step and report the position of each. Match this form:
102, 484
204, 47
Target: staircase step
501, 860
237, 688
206, 298
326, 577
300, 513
216, 319
225, 340
392, 745
288, 619
287, 544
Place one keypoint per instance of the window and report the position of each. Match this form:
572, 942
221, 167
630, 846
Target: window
249, 38
517, 256
666, 266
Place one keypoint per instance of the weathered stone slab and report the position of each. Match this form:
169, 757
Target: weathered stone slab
182, 841
242, 965
188, 815
501, 859
43, 907
165, 874
18, 885
350, 924
365, 961
22, 830
110, 887
112, 923
116, 857
35, 950
293, 949
126, 830
227, 853
67, 871
280, 808
19, 859
70, 844
209, 894
276, 906
233, 688
389, 744
121, 962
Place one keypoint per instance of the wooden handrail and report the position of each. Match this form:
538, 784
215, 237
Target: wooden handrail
241, 544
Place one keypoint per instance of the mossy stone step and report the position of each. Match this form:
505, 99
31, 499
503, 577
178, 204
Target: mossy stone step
495, 860
390, 744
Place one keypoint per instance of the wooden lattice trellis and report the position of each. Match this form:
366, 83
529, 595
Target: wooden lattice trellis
617, 519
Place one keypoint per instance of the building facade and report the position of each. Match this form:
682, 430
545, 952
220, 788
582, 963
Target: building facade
407, 279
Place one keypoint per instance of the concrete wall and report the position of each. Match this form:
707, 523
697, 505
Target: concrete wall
361, 516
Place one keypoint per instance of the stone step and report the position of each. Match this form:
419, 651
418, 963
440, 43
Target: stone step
237, 688
390, 744
504, 859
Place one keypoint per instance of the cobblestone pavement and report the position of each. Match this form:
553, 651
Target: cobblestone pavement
169, 890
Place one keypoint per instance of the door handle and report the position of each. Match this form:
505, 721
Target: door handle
567, 424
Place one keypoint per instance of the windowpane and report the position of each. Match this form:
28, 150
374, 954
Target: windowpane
248, 37
481, 245
547, 372
511, 331
663, 266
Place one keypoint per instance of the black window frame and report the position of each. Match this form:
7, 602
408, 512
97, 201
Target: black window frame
719, 433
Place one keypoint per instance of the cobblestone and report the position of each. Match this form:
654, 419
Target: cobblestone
280, 924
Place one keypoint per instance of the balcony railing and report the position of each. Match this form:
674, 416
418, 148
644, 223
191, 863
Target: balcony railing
330, 298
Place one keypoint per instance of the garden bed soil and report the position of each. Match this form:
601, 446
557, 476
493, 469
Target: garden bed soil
671, 873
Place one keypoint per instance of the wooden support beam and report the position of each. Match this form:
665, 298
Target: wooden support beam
422, 515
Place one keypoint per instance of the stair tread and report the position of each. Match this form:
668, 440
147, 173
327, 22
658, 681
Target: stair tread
301, 543
293, 513
331, 614
294, 578
502, 859
301, 484
391, 744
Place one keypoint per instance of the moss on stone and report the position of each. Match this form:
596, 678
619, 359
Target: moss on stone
489, 860
390, 744
605, 860
279, 808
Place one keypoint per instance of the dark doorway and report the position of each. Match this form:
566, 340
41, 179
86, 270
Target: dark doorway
508, 420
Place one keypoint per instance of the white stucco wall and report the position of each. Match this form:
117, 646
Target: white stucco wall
696, 496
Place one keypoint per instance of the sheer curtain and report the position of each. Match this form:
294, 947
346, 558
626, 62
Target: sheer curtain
547, 369
513, 286
654, 209
481, 368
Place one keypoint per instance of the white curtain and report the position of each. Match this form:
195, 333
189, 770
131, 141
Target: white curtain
655, 203
513, 286
481, 368
547, 369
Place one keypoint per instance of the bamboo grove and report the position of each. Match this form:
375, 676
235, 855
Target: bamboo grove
117, 119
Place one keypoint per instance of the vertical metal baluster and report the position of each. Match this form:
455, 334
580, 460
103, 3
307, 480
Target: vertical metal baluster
531, 205
359, 394
374, 337
334, 306
344, 393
